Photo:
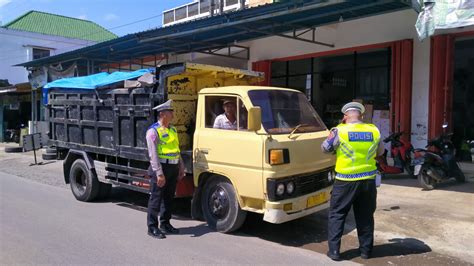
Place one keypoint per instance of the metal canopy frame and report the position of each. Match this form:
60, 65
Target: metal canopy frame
224, 34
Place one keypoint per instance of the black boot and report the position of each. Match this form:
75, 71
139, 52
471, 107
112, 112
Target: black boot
168, 228
334, 255
156, 233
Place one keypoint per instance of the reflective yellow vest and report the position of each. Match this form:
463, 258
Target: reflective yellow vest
168, 145
356, 152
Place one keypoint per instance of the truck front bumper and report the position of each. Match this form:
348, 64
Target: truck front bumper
280, 212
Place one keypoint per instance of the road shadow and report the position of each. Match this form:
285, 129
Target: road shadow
395, 247
42, 163
139, 202
297, 233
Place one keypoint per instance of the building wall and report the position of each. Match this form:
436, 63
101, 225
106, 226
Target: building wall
16, 47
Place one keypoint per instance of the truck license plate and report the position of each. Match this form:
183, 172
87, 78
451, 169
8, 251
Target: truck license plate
317, 199
417, 169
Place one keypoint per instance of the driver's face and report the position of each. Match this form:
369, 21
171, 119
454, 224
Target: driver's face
229, 108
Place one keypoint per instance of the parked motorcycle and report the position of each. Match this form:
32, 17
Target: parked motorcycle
402, 152
432, 168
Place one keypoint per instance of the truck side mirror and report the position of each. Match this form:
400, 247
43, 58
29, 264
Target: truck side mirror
254, 121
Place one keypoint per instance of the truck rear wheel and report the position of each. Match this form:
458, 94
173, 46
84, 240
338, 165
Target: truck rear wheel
220, 206
84, 184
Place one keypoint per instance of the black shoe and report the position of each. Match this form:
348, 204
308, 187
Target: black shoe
334, 255
156, 233
365, 256
168, 228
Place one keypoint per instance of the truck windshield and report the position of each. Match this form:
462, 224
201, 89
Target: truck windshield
286, 111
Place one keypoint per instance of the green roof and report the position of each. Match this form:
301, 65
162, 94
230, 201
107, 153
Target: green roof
51, 24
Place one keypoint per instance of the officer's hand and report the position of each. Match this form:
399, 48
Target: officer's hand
161, 181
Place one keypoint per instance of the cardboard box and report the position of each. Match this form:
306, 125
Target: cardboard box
254, 3
385, 114
369, 111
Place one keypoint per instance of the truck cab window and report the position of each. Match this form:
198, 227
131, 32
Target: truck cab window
226, 113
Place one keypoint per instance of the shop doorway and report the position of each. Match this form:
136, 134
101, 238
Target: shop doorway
463, 96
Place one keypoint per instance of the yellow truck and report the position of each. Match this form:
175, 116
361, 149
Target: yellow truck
271, 163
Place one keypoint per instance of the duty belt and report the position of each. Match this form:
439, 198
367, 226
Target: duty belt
169, 161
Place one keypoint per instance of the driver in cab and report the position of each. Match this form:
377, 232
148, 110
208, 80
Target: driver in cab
228, 119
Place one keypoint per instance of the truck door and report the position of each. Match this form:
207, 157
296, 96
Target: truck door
226, 147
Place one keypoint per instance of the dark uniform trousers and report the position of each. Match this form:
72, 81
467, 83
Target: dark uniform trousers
161, 198
362, 196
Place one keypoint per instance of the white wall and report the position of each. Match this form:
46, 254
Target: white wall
16, 47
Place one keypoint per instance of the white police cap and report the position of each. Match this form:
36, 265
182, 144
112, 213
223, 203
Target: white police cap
353, 106
164, 106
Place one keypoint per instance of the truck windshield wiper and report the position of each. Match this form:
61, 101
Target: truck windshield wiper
296, 128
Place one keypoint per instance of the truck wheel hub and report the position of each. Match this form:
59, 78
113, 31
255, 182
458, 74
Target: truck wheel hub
219, 203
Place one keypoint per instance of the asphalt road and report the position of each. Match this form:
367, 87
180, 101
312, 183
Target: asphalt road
42, 224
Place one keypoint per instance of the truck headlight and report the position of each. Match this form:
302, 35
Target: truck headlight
290, 187
280, 189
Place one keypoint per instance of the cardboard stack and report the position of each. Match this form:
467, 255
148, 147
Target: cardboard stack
254, 3
381, 118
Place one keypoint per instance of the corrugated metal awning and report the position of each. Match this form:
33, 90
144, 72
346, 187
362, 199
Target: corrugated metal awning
286, 19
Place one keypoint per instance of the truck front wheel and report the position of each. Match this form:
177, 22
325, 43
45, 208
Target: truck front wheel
220, 206
84, 184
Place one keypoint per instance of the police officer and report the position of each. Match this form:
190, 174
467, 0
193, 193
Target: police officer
166, 167
356, 145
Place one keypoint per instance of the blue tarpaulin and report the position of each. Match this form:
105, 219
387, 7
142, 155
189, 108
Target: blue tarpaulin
91, 82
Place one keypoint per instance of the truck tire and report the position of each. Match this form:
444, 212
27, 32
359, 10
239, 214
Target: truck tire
425, 180
49, 156
220, 206
84, 183
13, 149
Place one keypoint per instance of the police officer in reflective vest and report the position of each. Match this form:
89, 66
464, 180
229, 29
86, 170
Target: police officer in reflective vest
166, 167
356, 145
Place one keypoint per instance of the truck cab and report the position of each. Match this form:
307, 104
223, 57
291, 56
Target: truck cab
271, 163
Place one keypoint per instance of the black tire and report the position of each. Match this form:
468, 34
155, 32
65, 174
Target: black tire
104, 191
51, 150
84, 184
410, 169
49, 156
13, 149
459, 175
220, 206
425, 180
